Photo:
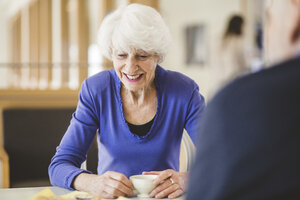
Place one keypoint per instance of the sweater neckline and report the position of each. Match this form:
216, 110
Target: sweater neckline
157, 115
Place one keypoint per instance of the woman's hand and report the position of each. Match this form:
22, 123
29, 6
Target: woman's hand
108, 185
169, 183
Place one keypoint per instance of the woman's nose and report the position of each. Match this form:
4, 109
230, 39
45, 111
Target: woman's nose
131, 64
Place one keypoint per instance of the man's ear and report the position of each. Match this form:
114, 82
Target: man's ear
295, 35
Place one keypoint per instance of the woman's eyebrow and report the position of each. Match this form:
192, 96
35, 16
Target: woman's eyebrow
141, 51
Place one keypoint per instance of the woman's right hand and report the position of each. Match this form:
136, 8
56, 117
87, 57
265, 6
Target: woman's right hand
108, 185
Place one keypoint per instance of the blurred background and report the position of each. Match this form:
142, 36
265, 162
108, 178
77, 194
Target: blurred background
48, 47
52, 44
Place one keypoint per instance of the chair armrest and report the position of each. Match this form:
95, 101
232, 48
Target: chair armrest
189, 149
5, 167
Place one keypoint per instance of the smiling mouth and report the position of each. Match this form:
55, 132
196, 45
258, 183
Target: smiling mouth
134, 77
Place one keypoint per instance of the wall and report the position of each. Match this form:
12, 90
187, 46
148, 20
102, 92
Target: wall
213, 14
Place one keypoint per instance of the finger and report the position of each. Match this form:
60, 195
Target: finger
119, 186
163, 176
167, 191
176, 194
121, 177
113, 192
161, 187
107, 195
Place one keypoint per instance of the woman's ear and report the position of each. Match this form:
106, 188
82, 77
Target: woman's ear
295, 34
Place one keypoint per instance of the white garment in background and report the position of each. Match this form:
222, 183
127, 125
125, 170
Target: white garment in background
230, 62
233, 61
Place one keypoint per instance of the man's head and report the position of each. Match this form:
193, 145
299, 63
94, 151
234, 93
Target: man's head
282, 30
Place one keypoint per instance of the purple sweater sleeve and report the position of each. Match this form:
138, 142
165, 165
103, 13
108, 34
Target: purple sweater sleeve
71, 153
195, 112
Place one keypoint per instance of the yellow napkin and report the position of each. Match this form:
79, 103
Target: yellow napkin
48, 194
122, 198
44, 193
72, 195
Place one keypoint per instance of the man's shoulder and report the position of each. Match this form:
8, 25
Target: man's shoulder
253, 117
271, 86
278, 77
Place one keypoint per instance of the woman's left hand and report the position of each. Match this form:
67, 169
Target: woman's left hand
169, 183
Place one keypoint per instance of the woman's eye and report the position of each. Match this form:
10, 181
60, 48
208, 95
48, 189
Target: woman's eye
143, 56
121, 55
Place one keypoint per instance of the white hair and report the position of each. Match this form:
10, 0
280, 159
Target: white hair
134, 26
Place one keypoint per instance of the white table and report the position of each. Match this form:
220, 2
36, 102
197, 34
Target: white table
25, 193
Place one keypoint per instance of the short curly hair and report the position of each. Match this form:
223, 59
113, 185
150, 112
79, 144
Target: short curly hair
134, 26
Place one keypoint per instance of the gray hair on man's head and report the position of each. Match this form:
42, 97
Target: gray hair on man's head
134, 26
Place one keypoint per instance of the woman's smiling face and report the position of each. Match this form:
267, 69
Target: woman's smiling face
136, 69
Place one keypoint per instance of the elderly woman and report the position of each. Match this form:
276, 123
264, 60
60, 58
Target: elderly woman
138, 108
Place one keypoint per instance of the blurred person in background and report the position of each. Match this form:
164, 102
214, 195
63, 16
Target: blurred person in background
232, 53
139, 109
249, 142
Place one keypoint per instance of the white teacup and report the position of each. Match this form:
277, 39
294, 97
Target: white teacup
143, 184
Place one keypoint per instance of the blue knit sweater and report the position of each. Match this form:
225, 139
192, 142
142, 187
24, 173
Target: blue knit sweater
179, 106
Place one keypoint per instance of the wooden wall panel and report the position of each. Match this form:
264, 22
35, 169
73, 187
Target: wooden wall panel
64, 35
15, 39
34, 44
82, 38
15, 51
45, 42
25, 50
